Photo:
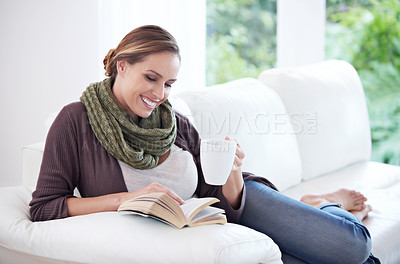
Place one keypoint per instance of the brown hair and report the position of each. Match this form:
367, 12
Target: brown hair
138, 44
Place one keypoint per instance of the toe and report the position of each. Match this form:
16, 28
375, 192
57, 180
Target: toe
359, 207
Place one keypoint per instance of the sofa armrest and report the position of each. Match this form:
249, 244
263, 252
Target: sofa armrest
114, 238
31, 161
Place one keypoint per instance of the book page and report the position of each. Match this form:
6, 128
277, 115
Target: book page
160, 205
209, 215
149, 216
192, 206
207, 212
164, 208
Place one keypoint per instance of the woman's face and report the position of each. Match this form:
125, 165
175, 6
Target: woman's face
143, 86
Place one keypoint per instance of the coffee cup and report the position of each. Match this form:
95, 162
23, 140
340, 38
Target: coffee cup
217, 157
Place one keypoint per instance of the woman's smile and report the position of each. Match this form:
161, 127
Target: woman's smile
148, 102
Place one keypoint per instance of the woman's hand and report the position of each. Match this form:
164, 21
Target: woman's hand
233, 187
111, 202
239, 156
154, 187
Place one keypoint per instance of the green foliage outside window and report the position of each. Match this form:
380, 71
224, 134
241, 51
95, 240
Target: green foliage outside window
241, 39
367, 34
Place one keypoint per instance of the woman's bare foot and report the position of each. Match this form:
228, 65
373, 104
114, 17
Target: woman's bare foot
350, 200
362, 213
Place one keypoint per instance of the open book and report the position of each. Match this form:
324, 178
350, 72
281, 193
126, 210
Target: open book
161, 206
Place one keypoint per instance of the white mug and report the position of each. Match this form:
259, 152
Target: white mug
216, 157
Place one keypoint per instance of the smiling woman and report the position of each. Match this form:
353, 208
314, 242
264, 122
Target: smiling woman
128, 114
147, 147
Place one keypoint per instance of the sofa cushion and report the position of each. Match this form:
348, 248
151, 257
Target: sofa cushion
380, 183
32, 156
114, 238
252, 113
181, 107
328, 108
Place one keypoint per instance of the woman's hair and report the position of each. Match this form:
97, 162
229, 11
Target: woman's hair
138, 44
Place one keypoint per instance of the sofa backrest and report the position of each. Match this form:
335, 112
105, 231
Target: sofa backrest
294, 123
244, 109
254, 114
328, 105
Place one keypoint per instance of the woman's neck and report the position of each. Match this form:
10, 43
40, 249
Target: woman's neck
134, 116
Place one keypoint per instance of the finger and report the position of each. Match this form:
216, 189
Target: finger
231, 139
238, 162
172, 194
156, 187
175, 196
234, 140
240, 153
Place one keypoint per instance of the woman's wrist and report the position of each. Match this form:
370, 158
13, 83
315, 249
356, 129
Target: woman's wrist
109, 202
119, 199
233, 188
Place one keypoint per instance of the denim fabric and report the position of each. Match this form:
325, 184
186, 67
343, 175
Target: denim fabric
304, 233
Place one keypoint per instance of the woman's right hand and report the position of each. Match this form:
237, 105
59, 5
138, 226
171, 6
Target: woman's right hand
154, 187
111, 202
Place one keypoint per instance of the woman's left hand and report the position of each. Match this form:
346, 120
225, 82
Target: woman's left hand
239, 155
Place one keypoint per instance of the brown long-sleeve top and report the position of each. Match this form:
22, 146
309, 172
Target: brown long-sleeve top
73, 157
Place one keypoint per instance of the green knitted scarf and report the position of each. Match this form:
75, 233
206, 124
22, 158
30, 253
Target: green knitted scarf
138, 145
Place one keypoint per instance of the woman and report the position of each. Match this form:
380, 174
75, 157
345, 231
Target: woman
124, 140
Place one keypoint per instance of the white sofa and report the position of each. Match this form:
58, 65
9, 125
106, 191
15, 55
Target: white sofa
306, 129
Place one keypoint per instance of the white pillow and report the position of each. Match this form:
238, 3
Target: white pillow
181, 107
252, 113
328, 104
115, 238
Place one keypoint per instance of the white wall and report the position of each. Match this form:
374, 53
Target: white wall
52, 49
185, 20
300, 32
48, 54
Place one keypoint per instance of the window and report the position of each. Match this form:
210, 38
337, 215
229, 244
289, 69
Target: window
366, 33
241, 39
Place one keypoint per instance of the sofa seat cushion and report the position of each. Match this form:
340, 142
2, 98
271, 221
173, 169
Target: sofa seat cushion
114, 238
380, 183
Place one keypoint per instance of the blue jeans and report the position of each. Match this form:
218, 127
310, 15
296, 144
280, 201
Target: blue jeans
304, 233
